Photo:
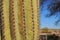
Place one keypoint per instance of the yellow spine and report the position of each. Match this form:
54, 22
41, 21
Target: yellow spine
16, 19
22, 20
28, 19
6, 29
14, 22
36, 21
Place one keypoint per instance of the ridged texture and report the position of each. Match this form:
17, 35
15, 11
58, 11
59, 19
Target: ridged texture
14, 20
22, 21
28, 19
19, 19
5, 21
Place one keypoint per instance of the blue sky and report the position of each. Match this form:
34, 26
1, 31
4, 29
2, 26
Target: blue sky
47, 21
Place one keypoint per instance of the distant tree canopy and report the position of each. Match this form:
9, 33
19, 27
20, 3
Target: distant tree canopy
54, 8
